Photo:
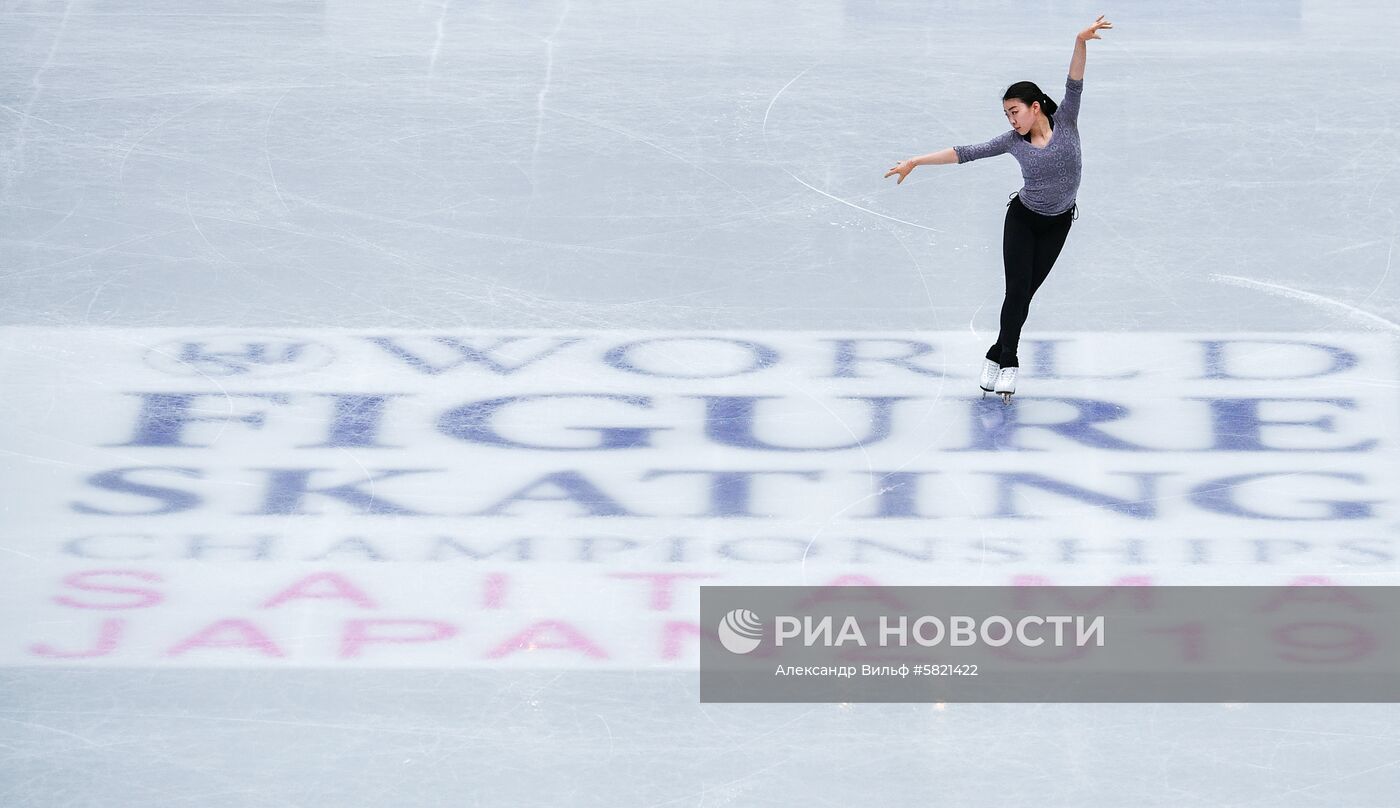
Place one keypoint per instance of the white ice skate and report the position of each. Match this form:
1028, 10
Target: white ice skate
988, 381
1006, 384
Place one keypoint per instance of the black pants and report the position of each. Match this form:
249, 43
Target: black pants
1030, 243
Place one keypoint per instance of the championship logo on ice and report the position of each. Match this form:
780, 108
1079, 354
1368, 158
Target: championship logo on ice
740, 631
238, 355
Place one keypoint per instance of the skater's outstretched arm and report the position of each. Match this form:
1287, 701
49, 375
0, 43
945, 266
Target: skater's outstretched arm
1081, 47
938, 158
1000, 144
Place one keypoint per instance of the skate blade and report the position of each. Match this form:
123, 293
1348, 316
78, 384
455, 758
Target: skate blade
1006, 397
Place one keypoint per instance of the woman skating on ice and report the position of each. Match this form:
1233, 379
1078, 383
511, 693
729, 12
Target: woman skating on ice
1044, 139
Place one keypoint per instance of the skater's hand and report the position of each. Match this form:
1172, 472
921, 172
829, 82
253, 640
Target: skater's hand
903, 169
1092, 31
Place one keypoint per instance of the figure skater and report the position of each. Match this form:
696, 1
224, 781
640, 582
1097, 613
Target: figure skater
1044, 139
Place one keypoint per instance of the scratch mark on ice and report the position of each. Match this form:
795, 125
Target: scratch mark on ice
1309, 297
548, 78
437, 43
832, 197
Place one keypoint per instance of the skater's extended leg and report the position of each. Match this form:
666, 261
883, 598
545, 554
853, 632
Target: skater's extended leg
1048, 245
1018, 257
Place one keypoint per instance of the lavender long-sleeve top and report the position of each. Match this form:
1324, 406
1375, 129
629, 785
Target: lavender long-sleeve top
1051, 174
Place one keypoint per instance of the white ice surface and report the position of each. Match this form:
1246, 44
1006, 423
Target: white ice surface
352, 167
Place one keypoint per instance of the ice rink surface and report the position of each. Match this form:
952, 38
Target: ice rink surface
262, 262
